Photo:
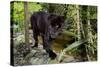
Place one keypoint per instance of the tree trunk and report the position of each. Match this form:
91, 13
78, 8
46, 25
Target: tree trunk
78, 22
89, 34
26, 23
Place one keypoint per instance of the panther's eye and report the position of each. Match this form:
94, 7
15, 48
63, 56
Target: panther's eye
57, 27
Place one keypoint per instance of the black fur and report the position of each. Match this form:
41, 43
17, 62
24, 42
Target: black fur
47, 26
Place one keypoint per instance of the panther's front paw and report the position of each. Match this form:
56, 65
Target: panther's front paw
52, 55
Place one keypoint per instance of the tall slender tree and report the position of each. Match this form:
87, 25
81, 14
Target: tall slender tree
26, 23
78, 22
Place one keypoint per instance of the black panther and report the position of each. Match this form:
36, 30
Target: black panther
46, 25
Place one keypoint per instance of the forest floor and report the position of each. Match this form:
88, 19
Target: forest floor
39, 56
36, 56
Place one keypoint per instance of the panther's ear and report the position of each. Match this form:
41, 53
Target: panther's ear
52, 16
61, 18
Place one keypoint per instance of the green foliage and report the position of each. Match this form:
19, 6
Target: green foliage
17, 13
33, 7
93, 12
